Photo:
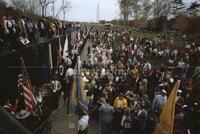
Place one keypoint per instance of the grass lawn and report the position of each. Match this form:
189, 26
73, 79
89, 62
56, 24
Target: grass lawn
155, 61
177, 38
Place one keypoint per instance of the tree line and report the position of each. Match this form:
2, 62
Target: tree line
161, 14
42, 8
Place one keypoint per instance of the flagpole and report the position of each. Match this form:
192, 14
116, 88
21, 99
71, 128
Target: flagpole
23, 65
50, 56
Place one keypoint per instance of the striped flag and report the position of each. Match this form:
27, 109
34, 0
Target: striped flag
25, 84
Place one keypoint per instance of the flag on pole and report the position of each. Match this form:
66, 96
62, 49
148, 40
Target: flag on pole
80, 87
25, 83
60, 47
66, 48
59, 56
78, 39
79, 77
166, 122
50, 57
72, 101
77, 98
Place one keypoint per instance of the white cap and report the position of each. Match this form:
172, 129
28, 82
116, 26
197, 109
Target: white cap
184, 106
164, 91
171, 80
179, 91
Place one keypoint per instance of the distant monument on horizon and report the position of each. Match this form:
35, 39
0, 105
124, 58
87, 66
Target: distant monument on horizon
98, 11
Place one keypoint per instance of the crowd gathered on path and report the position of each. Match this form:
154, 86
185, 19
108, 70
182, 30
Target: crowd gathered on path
126, 91
127, 79
16, 33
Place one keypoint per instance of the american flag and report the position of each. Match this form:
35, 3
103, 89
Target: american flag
25, 84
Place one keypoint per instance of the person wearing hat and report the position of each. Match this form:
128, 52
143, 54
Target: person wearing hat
159, 101
179, 101
179, 98
24, 117
120, 102
23, 114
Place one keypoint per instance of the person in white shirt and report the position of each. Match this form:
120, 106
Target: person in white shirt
69, 81
69, 73
159, 101
103, 72
83, 122
147, 66
55, 84
56, 88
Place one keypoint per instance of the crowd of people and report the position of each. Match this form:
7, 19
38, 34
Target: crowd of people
126, 91
127, 79
17, 33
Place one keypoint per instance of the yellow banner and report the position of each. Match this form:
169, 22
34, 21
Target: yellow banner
166, 122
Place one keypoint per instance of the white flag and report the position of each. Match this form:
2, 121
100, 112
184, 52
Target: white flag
65, 50
60, 47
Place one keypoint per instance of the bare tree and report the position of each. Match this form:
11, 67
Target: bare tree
171, 7
66, 5
144, 13
146, 8
44, 4
178, 5
34, 6
136, 9
20, 4
27, 6
157, 8
126, 7
167, 7
3, 2
194, 8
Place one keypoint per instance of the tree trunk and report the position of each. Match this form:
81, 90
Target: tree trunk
43, 11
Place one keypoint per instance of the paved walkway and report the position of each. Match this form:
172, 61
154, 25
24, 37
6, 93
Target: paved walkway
85, 52
60, 122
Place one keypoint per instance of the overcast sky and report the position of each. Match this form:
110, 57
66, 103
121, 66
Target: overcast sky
86, 10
